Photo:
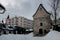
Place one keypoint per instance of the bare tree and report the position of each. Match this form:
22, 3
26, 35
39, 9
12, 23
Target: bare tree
55, 6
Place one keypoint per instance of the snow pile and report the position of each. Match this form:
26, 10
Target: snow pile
52, 35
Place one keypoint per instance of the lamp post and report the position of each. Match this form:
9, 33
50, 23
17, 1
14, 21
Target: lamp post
2, 9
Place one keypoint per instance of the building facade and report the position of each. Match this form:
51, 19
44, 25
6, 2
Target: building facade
20, 21
42, 21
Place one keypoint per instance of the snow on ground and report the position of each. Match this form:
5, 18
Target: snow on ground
52, 35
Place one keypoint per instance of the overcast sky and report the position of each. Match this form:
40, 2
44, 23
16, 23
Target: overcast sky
25, 8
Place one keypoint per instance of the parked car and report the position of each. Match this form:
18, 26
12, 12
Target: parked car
10, 29
2, 28
29, 31
56, 27
20, 30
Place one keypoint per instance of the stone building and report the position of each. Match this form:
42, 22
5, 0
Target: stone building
42, 21
20, 21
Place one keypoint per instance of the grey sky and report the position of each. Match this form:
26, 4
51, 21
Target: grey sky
25, 8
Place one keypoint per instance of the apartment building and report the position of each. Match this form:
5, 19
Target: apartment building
19, 21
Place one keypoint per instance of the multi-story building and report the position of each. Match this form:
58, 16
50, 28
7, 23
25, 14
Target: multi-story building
19, 21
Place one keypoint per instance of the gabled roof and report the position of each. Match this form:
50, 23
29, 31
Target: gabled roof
43, 8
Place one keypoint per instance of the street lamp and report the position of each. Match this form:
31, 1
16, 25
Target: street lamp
2, 9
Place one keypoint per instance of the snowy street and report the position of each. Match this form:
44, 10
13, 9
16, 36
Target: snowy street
52, 35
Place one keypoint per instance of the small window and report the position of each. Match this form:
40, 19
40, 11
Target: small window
41, 24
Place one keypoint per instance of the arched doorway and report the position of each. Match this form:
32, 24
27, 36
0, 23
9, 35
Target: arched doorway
40, 31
